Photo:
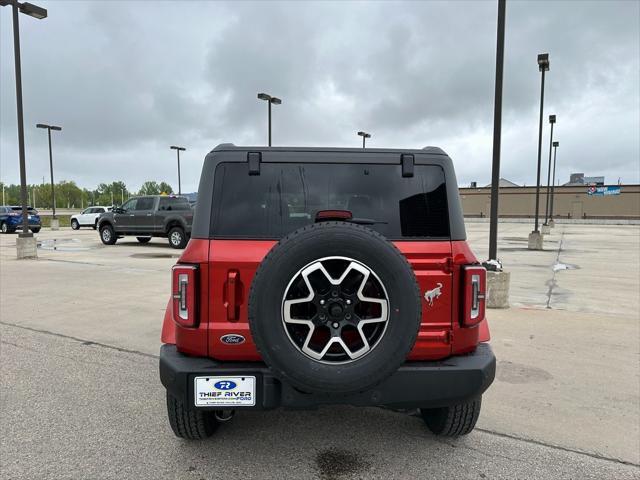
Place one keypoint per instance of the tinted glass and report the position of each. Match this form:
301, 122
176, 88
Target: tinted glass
86, 210
285, 197
131, 204
99, 210
173, 203
145, 203
29, 209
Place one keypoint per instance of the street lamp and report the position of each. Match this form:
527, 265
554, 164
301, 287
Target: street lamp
497, 135
552, 121
178, 150
364, 136
270, 100
553, 182
39, 13
543, 66
53, 192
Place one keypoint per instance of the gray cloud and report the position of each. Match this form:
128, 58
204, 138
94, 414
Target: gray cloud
126, 80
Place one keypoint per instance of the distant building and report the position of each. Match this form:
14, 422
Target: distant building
576, 179
504, 183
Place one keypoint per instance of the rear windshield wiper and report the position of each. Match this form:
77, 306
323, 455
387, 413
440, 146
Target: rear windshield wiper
364, 221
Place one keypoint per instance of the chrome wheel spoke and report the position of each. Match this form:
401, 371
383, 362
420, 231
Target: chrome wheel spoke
328, 291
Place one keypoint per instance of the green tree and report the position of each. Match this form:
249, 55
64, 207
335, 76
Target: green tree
149, 188
164, 187
68, 195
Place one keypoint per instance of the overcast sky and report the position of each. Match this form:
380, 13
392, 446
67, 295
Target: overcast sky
128, 79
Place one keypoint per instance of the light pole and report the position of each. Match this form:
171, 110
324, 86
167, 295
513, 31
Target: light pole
270, 100
553, 182
543, 66
53, 192
497, 133
552, 121
178, 150
535, 239
39, 13
364, 136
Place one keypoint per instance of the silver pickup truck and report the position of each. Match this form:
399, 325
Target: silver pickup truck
167, 216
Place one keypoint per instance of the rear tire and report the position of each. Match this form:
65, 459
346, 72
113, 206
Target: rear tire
35, 230
190, 424
144, 239
75, 225
108, 235
452, 421
177, 238
95, 225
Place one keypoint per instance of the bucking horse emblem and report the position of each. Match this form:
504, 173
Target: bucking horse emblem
433, 294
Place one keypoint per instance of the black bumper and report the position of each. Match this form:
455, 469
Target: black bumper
413, 385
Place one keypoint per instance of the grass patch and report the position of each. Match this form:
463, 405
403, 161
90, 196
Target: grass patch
65, 220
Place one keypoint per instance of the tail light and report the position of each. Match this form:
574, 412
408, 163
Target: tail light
333, 215
474, 298
183, 294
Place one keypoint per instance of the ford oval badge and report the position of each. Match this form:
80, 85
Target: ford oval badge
232, 339
225, 385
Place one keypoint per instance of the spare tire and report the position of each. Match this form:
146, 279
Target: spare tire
334, 307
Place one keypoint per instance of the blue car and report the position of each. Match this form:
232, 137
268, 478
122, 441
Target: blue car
11, 219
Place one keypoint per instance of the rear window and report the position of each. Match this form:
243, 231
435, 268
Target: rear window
30, 210
174, 203
287, 196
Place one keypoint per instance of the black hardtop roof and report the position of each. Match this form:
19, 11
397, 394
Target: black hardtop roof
225, 147
227, 152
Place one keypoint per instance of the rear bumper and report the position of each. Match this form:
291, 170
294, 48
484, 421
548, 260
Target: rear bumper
18, 223
413, 385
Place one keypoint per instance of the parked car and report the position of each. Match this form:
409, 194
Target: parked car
11, 219
167, 216
88, 217
326, 276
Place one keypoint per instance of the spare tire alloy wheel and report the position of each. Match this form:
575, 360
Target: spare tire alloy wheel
334, 308
329, 323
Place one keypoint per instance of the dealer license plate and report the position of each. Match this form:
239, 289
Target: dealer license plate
225, 391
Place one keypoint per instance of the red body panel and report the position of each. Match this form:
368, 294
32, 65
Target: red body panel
227, 268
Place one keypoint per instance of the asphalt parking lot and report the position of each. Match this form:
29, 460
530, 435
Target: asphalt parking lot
81, 397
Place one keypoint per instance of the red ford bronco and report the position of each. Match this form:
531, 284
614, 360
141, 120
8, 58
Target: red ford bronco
318, 276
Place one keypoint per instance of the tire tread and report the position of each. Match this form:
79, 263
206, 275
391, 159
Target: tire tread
453, 421
190, 424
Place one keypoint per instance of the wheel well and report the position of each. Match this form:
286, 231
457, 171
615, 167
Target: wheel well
173, 223
105, 223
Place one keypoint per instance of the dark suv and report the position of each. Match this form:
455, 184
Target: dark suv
326, 276
149, 216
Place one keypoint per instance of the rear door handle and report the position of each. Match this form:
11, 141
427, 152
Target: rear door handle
232, 295
149, 214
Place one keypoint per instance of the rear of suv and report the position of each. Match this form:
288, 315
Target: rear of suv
11, 219
326, 276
